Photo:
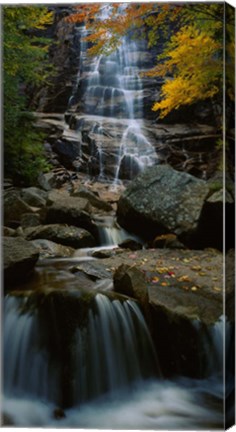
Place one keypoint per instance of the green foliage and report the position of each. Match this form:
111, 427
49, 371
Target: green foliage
25, 64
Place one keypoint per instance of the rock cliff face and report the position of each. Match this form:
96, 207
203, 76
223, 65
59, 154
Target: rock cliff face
110, 131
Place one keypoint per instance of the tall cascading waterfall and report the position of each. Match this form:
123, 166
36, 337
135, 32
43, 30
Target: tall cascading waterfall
109, 352
110, 91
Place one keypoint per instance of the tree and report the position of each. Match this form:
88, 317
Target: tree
24, 64
192, 59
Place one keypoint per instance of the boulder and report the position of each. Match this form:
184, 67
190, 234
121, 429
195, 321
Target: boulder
34, 196
63, 234
49, 249
169, 241
130, 244
181, 318
94, 200
14, 208
94, 270
181, 296
54, 179
211, 222
30, 220
64, 209
68, 151
9, 232
130, 281
19, 257
162, 200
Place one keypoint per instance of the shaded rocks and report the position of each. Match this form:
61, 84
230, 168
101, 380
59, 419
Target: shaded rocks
14, 208
66, 235
180, 320
64, 209
179, 311
130, 244
94, 270
162, 200
19, 257
50, 249
34, 196
30, 220
55, 179
130, 281
94, 200
169, 241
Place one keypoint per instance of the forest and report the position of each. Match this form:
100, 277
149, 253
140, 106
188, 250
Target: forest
118, 183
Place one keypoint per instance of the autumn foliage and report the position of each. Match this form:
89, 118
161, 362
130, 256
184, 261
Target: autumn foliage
193, 35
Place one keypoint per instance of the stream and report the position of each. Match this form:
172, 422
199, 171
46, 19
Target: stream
114, 379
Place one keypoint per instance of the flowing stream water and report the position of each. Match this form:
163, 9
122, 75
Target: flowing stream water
103, 371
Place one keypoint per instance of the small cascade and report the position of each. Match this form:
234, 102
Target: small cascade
110, 87
215, 341
109, 352
27, 370
111, 234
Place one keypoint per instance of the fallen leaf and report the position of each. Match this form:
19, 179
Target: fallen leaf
162, 269
186, 260
194, 288
155, 279
164, 284
196, 268
202, 274
184, 278
216, 289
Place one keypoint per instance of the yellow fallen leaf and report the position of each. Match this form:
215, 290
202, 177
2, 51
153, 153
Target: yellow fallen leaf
184, 278
164, 284
194, 288
162, 269
186, 260
202, 274
196, 268
155, 279
216, 289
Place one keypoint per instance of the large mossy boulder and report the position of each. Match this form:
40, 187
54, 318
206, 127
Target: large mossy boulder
19, 257
162, 200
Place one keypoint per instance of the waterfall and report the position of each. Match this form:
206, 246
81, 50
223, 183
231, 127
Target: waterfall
110, 88
108, 362
111, 234
109, 353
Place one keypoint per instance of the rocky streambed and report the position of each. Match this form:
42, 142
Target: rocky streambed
68, 239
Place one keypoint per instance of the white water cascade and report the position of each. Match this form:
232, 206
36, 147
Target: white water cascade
111, 91
114, 382
111, 352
